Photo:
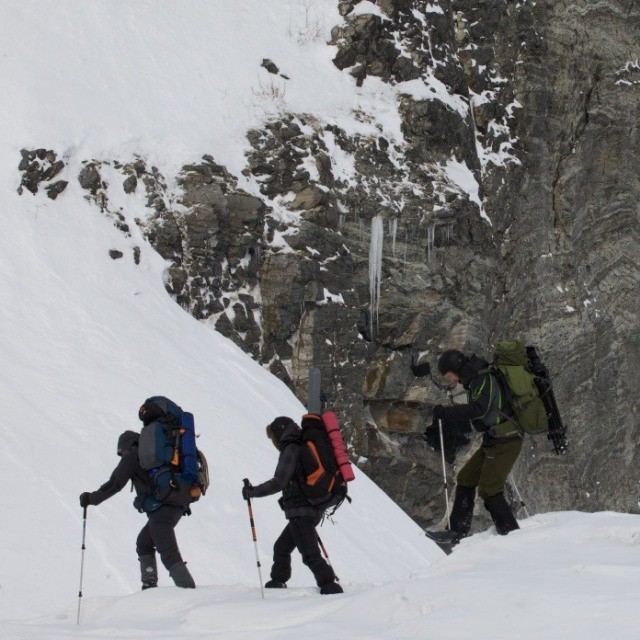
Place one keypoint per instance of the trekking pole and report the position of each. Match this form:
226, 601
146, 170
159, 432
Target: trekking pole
326, 556
255, 539
515, 488
426, 371
84, 533
444, 475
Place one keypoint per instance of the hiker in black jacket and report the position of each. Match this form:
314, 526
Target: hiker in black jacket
488, 468
158, 533
303, 518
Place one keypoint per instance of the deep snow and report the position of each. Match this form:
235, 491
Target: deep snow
564, 576
84, 339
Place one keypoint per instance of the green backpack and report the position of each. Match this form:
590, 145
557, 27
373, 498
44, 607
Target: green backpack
512, 368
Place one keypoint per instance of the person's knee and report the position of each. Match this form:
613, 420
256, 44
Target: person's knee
170, 556
467, 478
491, 484
283, 546
144, 543
145, 549
310, 552
167, 546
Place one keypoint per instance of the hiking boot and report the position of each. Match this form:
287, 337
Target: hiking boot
330, 588
148, 571
462, 510
274, 584
181, 576
445, 537
501, 514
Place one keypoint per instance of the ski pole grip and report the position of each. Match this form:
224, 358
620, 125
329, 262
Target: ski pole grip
247, 484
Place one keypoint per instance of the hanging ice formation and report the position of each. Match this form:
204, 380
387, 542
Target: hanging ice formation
431, 236
375, 268
406, 242
393, 232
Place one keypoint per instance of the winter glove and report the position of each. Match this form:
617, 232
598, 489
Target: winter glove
432, 437
246, 491
438, 413
85, 499
453, 438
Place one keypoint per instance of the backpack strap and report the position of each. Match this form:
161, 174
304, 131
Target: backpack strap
508, 428
175, 458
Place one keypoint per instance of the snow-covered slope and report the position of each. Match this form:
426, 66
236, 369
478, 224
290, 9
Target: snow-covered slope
84, 341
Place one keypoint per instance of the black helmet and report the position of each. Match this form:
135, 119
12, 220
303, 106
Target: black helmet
451, 360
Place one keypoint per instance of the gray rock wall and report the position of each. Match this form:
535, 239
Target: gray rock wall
573, 241
547, 250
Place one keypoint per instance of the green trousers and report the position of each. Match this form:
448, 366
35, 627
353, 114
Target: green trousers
489, 467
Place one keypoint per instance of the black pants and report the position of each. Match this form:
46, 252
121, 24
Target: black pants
300, 533
159, 534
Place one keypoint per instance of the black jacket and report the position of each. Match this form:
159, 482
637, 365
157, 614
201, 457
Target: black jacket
128, 469
486, 404
287, 478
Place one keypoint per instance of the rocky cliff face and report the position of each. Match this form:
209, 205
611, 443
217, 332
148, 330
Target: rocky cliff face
508, 208
573, 216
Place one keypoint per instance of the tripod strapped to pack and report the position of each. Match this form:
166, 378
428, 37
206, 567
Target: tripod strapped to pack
557, 431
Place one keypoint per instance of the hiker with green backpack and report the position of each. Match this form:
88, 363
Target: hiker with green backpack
493, 409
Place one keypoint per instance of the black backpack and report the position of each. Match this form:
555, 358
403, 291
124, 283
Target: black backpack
321, 479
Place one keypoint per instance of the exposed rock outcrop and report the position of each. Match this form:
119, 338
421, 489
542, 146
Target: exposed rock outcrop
41, 166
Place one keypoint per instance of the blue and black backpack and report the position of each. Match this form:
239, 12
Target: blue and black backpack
167, 450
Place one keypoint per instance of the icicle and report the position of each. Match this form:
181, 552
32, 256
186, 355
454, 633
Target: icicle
340, 221
393, 232
431, 236
375, 268
406, 242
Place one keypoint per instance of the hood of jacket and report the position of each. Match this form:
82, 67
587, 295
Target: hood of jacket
290, 434
127, 441
471, 368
